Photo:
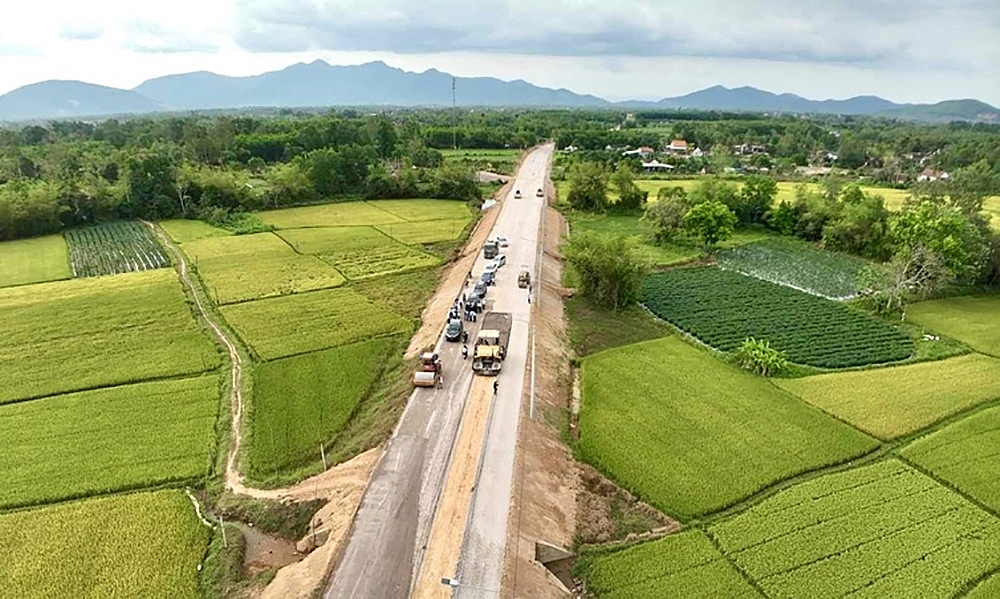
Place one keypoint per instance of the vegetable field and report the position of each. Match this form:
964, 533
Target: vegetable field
107, 440
357, 252
892, 402
965, 454
974, 321
136, 545
796, 264
298, 324
249, 267
114, 248
692, 435
86, 333
303, 401
722, 308
882, 531
35, 260
679, 565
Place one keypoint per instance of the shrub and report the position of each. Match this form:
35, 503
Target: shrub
759, 357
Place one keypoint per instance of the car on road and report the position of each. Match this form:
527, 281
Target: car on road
480, 289
502, 242
517, 194
539, 193
489, 277
500, 260
523, 279
491, 249
453, 332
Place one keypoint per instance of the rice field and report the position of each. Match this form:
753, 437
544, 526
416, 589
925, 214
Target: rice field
186, 231
434, 231
96, 332
882, 531
894, 198
249, 267
297, 324
135, 545
346, 214
893, 402
302, 402
107, 440
973, 320
417, 211
679, 565
692, 435
358, 252
35, 260
965, 454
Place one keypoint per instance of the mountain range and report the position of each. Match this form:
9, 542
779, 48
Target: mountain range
318, 84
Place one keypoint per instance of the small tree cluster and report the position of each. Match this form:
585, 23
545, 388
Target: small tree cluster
759, 357
610, 267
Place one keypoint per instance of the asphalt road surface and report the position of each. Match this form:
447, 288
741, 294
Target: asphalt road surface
393, 523
480, 567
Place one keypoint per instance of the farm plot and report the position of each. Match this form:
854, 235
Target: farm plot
892, 402
796, 264
35, 260
433, 231
987, 589
883, 531
425, 210
966, 454
298, 324
302, 402
722, 308
87, 333
358, 252
186, 231
975, 321
345, 214
679, 565
136, 545
692, 435
248, 267
114, 248
107, 440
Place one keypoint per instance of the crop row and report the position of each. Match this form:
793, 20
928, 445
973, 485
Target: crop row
114, 248
722, 308
796, 264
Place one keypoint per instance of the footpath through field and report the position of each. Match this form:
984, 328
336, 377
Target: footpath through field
392, 528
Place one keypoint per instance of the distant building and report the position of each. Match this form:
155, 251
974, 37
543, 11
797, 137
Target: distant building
656, 166
677, 146
749, 149
697, 153
930, 174
643, 152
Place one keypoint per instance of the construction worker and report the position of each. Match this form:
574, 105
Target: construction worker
465, 351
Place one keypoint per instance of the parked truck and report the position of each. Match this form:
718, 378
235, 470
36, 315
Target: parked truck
491, 344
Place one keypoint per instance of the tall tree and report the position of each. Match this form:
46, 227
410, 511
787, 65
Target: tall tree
711, 221
588, 187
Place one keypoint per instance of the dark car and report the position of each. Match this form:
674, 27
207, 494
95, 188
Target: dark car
480, 289
488, 277
453, 332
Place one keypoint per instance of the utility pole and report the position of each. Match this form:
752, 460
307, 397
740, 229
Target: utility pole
454, 109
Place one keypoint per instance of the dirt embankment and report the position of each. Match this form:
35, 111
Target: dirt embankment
343, 486
546, 476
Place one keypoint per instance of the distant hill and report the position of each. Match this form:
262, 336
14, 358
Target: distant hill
372, 84
319, 84
67, 99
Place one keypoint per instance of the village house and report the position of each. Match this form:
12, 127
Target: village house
643, 152
677, 146
749, 149
930, 174
656, 166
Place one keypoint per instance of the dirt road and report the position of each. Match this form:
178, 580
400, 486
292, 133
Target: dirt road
391, 530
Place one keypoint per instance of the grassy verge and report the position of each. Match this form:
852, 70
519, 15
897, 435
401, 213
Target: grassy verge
593, 329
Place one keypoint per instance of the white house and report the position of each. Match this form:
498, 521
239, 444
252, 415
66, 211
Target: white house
656, 166
930, 174
643, 152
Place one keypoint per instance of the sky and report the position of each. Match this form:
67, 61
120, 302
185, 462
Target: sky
902, 50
